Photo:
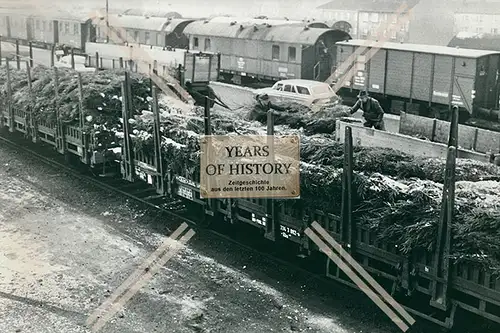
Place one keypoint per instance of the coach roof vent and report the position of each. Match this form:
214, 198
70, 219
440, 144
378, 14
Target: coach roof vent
306, 28
233, 23
255, 27
241, 27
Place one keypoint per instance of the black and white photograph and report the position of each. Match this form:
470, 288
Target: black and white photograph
262, 166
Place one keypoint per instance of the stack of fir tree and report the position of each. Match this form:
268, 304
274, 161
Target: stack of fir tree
397, 196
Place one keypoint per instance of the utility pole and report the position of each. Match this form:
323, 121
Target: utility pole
107, 22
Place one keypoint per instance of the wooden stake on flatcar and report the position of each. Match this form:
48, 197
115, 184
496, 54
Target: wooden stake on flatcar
160, 185
97, 61
272, 223
127, 156
52, 56
85, 158
72, 58
347, 226
453, 136
18, 56
31, 54
9, 98
33, 121
27, 113
209, 207
442, 271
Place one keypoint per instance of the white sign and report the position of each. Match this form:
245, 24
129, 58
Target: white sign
241, 63
250, 166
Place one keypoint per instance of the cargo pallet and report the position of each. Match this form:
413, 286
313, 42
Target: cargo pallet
426, 284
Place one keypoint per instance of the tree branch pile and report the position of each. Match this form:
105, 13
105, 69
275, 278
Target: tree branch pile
397, 196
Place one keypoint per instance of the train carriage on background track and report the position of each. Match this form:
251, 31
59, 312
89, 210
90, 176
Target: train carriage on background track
422, 79
266, 52
155, 31
46, 28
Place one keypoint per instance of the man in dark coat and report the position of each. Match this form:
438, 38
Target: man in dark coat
372, 111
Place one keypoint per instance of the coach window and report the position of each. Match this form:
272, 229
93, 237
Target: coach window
44, 25
292, 56
37, 24
50, 26
147, 37
76, 30
195, 42
136, 36
276, 52
207, 44
159, 41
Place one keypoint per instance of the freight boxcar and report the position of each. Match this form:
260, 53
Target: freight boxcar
266, 52
425, 77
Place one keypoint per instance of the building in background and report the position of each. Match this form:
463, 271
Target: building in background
477, 17
341, 14
431, 22
369, 19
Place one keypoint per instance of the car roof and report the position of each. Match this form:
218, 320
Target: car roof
305, 83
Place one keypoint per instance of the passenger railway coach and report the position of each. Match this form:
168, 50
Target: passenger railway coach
266, 52
425, 78
46, 28
155, 31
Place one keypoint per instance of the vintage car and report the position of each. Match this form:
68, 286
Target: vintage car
305, 92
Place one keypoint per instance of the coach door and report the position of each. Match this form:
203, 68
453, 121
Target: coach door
30, 28
323, 64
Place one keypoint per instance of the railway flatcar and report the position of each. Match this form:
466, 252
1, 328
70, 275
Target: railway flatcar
424, 79
155, 31
476, 41
267, 53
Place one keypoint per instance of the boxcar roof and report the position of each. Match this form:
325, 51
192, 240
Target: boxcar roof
282, 33
421, 48
142, 23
